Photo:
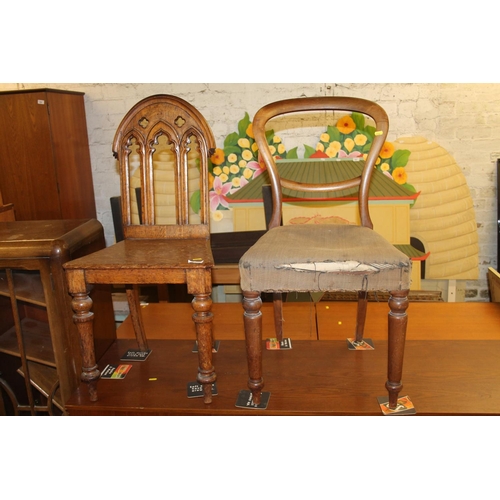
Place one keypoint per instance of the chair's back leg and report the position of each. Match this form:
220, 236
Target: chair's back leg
136, 316
361, 314
278, 315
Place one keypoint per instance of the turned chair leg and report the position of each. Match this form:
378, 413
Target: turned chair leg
252, 317
203, 320
84, 321
398, 320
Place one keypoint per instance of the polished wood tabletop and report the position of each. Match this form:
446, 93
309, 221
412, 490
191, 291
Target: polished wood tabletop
451, 365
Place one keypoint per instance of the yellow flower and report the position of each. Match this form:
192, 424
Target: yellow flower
242, 164
360, 140
276, 139
236, 182
281, 149
254, 147
333, 149
346, 124
349, 144
324, 137
225, 170
387, 150
217, 215
243, 143
211, 179
320, 146
217, 171
249, 131
223, 177
247, 155
272, 149
385, 167
247, 173
218, 157
232, 158
331, 152
234, 169
399, 175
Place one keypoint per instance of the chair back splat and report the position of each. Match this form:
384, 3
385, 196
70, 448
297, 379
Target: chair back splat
162, 147
321, 104
324, 257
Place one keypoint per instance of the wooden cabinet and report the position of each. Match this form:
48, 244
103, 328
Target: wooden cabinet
36, 318
45, 169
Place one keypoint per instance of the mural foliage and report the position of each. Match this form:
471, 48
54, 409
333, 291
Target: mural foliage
237, 163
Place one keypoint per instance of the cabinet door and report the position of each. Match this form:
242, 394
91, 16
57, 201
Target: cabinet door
68, 126
27, 173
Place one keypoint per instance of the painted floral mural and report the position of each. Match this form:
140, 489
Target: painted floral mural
236, 164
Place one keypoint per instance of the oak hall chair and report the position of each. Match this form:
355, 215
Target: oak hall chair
162, 146
324, 257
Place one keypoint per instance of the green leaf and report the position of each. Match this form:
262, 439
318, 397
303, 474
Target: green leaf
292, 154
269, 136
194, 201
231, 139
366, 147
370, 132
359, 120
409, 187
334, 133
243, 125
308, 151
232, 149
400, 158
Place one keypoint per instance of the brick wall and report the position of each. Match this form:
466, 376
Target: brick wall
462, 118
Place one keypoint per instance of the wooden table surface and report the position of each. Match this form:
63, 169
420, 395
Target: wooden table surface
452, 363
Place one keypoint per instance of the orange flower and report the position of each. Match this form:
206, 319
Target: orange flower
387, 150
249, 131
346, 124
218, 157
399, 175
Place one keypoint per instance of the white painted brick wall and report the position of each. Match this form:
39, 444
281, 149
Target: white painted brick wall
462, 118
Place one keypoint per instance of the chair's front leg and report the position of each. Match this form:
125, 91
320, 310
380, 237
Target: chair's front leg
83, 318
203, 320
398, 320
253, 336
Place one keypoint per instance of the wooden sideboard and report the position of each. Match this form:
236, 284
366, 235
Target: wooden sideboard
37, 333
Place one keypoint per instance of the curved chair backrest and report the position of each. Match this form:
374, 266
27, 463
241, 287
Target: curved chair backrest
308, 104
163, 145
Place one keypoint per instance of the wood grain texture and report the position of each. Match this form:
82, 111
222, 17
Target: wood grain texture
440, 377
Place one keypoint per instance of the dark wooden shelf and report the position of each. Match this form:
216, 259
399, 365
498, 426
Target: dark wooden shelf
44, 378
37, 342
27, 286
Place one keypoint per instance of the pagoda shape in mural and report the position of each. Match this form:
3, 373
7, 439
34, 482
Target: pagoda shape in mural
390, 202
